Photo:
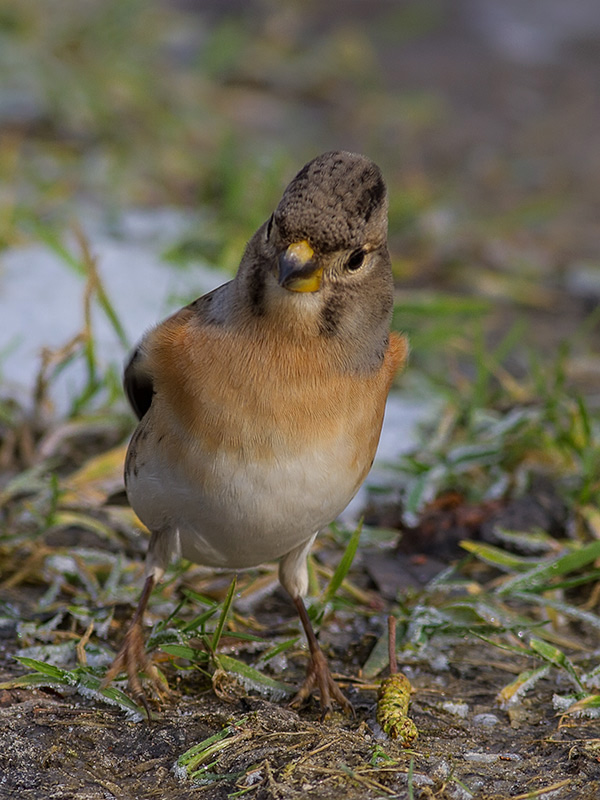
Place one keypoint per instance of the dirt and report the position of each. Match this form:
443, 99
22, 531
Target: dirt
63, 745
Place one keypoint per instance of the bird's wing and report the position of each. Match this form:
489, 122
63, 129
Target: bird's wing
138, 376
137, 382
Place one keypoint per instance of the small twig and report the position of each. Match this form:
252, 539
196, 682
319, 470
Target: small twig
392, 644
81, 654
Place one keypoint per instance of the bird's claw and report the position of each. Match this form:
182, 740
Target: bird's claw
319, 677
133, 659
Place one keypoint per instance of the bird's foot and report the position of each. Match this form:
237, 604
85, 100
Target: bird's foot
319, 677
133, 659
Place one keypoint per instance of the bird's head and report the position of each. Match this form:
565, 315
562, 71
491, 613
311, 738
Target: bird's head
331, 217
321, 260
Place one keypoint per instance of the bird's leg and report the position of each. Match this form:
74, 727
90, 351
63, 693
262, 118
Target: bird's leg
132, 657
318, 675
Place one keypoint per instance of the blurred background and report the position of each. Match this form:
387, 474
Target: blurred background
162, 133
142, 142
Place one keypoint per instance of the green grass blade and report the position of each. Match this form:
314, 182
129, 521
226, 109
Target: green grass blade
410, 779
587, 706
513, 692
279, 648
587, 617
52, 676
550, 569
63, 676
344, 566
556, 657
223, 617
378, 658
253, 679
184, 651
200, 620
196, 754
497, 557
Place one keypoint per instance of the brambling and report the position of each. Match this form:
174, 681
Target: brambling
261, 403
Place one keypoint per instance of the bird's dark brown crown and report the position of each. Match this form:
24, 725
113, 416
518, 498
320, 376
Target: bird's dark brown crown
333, 201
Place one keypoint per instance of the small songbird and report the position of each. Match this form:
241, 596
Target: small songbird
261, 403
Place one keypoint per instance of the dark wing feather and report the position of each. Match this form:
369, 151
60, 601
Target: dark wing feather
138, 384
137, 378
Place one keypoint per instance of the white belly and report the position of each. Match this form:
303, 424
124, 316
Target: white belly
236, 513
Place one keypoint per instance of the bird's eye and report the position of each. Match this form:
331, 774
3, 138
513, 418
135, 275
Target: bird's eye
270, 226
355, 260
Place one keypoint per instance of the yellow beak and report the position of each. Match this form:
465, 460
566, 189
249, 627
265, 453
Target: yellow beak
298, 270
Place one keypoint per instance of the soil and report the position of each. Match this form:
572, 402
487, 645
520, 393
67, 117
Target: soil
61, 745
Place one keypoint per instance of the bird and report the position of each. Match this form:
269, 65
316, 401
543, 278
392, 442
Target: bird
260, 404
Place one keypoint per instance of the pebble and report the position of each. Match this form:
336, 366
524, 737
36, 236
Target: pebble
457, 709
485, 720
490, 758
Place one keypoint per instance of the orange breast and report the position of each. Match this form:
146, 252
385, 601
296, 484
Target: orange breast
226, 391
